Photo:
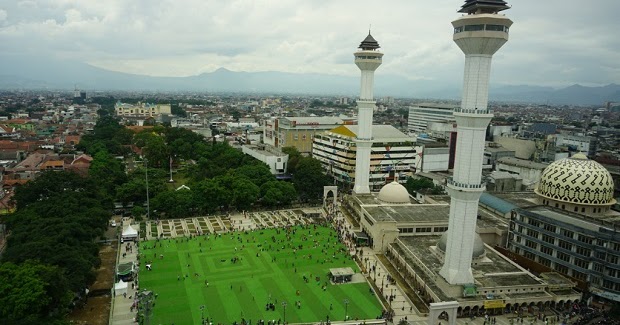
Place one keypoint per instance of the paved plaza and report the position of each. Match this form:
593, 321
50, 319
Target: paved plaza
403, 308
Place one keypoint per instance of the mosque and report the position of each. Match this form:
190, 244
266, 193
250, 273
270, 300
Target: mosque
492, 253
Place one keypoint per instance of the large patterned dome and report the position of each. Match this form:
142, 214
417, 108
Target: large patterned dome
577, 180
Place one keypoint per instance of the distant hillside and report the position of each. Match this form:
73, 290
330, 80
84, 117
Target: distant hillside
19, 73
573, 95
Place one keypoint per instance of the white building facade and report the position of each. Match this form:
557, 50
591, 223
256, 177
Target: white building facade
393, 156
422, 114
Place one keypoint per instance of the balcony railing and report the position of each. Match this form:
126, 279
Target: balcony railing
466, 185
473, 111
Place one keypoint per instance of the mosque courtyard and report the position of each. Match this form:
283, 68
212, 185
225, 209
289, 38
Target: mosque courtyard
251, 276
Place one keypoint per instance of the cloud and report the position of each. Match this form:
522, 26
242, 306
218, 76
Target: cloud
551, 43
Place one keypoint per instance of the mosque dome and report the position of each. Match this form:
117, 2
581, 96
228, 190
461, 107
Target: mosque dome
577, 180
477, 252
394, 193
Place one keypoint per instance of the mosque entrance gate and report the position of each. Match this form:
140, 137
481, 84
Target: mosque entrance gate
326, 190
438, 308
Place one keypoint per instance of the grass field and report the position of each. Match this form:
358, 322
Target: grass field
270, 268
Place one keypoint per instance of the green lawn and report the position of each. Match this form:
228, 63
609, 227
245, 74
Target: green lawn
242, 289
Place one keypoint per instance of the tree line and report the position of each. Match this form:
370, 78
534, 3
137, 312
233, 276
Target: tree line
51, 252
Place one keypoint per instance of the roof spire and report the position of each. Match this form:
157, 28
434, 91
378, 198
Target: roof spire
369, 43
484, 6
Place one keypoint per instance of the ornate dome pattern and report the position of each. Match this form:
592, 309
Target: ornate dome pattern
394, 193
577, 180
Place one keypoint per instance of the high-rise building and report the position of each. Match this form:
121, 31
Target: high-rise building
368, 59
421, 115
393, 157
479, 33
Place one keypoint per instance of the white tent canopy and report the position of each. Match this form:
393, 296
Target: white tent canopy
129, 233
120, 288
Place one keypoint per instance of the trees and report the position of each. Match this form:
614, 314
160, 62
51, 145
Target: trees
277, 193
294, 156
309, 179
31, 292
58, 217
422, 184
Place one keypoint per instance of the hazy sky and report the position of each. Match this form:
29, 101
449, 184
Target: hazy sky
552, 42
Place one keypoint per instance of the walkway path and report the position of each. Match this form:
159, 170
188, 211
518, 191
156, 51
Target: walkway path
121, 314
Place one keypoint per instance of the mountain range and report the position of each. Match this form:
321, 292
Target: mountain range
56, 74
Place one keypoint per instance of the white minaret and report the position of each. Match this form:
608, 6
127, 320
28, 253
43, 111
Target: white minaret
368, 59
479, 33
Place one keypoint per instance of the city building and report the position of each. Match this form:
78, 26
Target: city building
529, 171
576, 143
275, 159
393, 155
572, 229
141, 110
422, 114
368, 59
297, 132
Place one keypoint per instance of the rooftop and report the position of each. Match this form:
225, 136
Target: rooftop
521, 163
369, 43
410, 213
496, 203
472, 6
382, 133
497, 271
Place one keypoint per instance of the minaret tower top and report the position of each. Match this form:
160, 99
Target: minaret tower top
369, 43
484, 6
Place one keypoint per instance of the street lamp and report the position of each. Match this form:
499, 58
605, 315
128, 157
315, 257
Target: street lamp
171, 180
148, 205
284, 306
346, 307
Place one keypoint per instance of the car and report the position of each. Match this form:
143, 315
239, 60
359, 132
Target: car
112, 223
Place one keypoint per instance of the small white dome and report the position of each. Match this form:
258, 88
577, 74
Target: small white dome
394, 193
478, 250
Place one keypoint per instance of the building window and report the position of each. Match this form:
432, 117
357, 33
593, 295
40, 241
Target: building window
497, 28
546, 250
548, 239
563, 256
608, 284
585, 239
597, 267
566, 245
533, 222
583, 251
579, 276
530, 244
613, 259
473, 28
549, 228
581, 263
567, 233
